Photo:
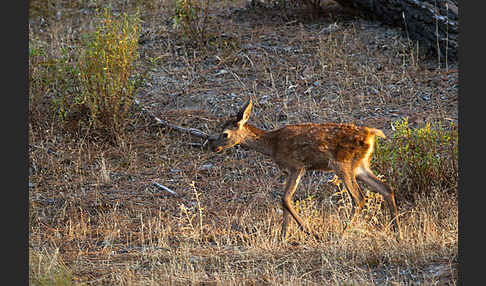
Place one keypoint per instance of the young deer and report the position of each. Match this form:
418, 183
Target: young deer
343, 148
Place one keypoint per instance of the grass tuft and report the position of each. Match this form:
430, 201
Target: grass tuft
47, 269
192, 17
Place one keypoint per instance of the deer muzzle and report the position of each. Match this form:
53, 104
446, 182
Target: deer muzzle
212, 140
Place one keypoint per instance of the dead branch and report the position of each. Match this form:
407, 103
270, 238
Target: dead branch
164, 188
192, 131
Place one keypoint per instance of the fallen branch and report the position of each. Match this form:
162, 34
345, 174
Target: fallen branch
48, 150
192, 131
164, 188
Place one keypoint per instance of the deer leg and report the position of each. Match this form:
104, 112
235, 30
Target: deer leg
356, 195
357, 199
377, 186
288, 208
285, 223
286, 212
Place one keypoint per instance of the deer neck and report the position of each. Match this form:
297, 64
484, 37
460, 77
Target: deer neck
258, 140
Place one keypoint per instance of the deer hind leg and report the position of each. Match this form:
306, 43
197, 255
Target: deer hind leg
288, 208
376, 185
357, 200
344, 171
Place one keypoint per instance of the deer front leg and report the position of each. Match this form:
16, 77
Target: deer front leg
288, 207
285, 222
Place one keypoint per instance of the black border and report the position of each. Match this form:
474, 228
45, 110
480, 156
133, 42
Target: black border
471, 122
15, 139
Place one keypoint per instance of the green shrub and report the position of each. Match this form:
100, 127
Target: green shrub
106, 72
419, 160
93, 83
192, 17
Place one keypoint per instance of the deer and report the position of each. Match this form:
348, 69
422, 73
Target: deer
343, 148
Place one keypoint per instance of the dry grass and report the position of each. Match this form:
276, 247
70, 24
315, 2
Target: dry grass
96, 217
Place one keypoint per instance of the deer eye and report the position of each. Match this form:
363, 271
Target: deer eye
225, 135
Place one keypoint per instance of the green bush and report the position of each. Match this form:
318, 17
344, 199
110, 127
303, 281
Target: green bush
419, 160
192, 17
93, 83
107, 69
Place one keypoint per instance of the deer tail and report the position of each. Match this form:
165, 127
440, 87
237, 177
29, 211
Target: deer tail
377, 132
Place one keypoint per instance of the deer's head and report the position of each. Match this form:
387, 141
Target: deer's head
233, 131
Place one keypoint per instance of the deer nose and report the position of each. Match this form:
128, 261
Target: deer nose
217, 149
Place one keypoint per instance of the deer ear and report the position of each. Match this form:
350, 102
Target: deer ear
244, 113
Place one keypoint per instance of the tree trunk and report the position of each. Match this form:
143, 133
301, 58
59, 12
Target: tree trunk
433, 23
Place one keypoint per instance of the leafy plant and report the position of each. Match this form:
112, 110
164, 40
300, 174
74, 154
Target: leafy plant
307, 206
373, 204
106, 71
419, 160
373, 207
192, 17
93, 83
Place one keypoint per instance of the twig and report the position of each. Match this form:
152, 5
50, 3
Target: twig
48, 150
164, 188
192, 131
